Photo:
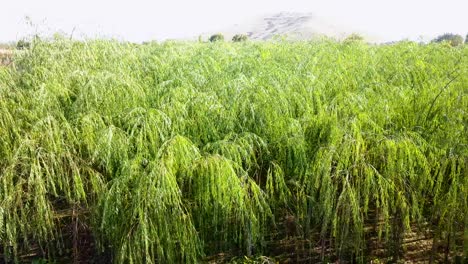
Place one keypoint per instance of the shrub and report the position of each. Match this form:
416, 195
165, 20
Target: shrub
240, 38
23, 44
354, 38
217, 37
453, 39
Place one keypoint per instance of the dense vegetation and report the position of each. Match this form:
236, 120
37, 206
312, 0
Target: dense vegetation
171, 152
453, 39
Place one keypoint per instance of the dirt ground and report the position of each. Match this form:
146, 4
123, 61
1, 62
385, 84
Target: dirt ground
5, 56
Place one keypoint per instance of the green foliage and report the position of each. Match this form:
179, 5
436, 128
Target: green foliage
453, 39
240, 38
169, 152
217, 37
39, 261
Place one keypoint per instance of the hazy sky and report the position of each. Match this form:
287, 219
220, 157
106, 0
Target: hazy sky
140, 20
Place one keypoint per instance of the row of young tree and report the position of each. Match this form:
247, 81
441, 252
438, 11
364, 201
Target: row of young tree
235, 38
453, 39
167, 153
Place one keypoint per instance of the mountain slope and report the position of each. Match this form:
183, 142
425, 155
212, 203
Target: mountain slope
292, 25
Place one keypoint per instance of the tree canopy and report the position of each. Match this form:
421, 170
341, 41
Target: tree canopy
454, 39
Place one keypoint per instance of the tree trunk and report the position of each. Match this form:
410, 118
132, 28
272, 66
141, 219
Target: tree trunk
434, 248
75, 235
397, 237
447, 249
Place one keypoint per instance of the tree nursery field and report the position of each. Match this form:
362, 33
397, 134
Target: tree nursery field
187, 152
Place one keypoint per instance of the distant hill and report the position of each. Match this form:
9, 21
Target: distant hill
292, 25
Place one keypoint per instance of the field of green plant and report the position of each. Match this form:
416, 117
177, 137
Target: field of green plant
174, 152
